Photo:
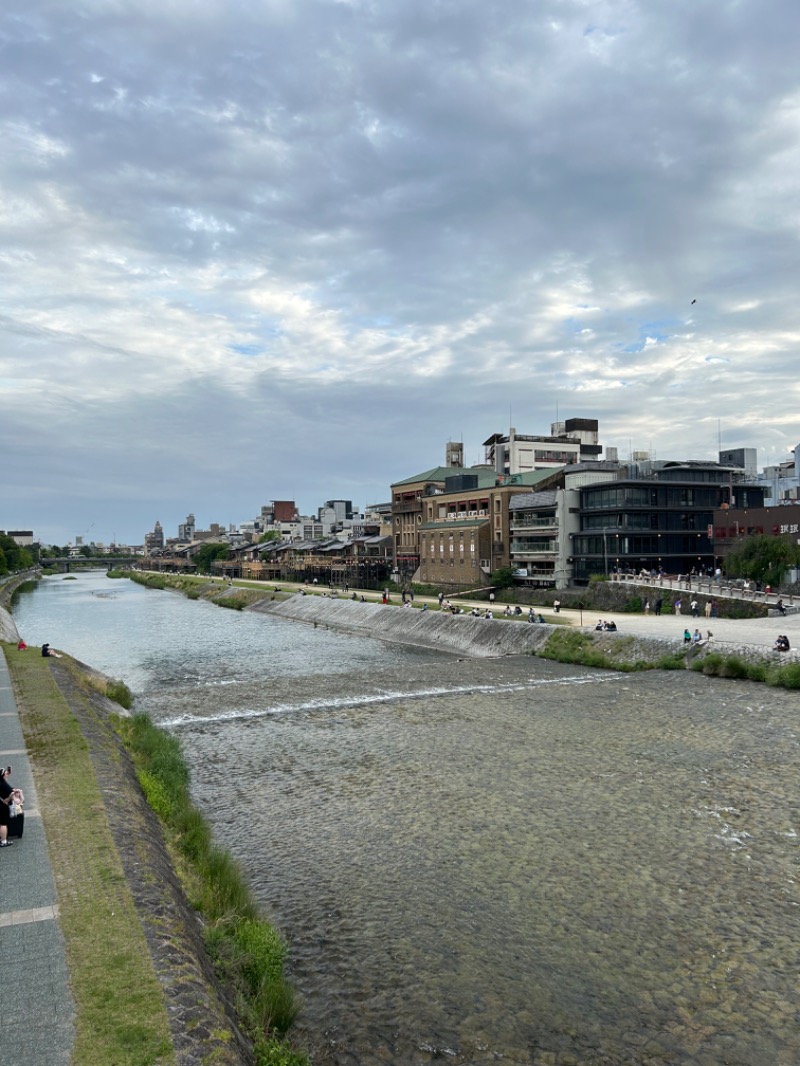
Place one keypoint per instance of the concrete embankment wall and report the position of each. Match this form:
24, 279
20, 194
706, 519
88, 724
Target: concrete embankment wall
459, 634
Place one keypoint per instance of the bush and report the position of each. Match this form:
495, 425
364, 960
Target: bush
119, 692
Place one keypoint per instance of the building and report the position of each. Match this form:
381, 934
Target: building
782, 482
734, 524
186, 530
572, 441
744, 458
154, 542
656, 515
464, 530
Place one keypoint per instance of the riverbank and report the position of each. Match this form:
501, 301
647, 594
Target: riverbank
739, 648
145, 988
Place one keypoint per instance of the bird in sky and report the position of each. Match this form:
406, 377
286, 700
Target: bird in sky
694, 301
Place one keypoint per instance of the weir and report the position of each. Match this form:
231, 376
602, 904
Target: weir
464, 634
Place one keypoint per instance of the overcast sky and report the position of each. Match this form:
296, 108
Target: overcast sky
286, 249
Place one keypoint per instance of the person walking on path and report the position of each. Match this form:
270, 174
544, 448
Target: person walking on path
695, 606
678, 607
659, 605
7, 797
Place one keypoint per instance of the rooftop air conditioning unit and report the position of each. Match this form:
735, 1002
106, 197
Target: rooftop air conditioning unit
473, 514
483, 512
452, 514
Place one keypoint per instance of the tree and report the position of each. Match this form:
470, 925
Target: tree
271, 534
14, 557
503, 577
763, 558
208, 554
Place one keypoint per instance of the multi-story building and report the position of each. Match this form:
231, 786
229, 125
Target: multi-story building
781, 482
732, 525
154, 542
572, 441
656, 515
464, 532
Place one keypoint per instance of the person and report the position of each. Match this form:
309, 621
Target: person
600, 625
47, 650
8, 795
658, 605
714, 609
354, 597
695, 609
556, 606
507, 610
22, 646
385, 598
518, 610
531, 615
687, 637
611, 627
781, 643
541, 618
697, 637
647, 606
707, 609
441, 597
488, 614
780, 606
491, 597
424, 606
678, 606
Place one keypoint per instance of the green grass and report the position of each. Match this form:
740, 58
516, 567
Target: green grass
248, 953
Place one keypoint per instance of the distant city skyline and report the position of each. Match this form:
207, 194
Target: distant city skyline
289, 251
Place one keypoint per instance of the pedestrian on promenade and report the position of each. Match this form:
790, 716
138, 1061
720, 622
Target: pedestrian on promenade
647, 606
8, 795
678, 606
707, 609
659, 605
695, 606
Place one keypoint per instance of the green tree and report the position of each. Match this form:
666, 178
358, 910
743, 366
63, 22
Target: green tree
272, 534
3, 563
15, 558
209, 553
503, 577
763, 558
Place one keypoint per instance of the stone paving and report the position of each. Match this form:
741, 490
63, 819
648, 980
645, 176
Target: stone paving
36, 1023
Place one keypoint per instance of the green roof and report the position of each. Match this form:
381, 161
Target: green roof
486, 477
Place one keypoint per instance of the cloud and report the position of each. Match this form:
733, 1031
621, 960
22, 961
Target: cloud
321, 235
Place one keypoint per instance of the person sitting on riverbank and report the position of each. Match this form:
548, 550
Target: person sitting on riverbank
48, 651
22, 646
782, 643
687, 637
600, 626
779, 606
697, 637
610, 627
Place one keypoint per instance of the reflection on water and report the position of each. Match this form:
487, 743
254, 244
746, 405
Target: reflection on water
479, 859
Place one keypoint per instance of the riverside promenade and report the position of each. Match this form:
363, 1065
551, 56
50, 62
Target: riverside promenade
36, 1023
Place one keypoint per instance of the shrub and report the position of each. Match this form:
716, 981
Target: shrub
119, 692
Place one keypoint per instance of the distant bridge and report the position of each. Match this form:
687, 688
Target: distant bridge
64, 562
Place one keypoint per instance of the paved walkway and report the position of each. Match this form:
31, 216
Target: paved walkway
36, 1021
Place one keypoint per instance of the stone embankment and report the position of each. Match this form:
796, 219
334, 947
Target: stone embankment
458, 634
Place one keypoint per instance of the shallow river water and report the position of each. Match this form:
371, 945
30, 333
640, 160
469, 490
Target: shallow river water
478, 859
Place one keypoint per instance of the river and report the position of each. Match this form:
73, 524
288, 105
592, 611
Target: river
480, 859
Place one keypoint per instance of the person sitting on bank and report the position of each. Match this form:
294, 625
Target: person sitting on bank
687, 637
697, 637
780, 607
600, 626
48, 651
782, 643
611, 627
22, 646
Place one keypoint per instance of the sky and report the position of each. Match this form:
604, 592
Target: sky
287, 249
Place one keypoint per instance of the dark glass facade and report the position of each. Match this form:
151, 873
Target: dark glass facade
654, 523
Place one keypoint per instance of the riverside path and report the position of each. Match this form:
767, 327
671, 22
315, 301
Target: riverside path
36, 1022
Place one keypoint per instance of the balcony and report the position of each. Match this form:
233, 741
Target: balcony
411, 507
